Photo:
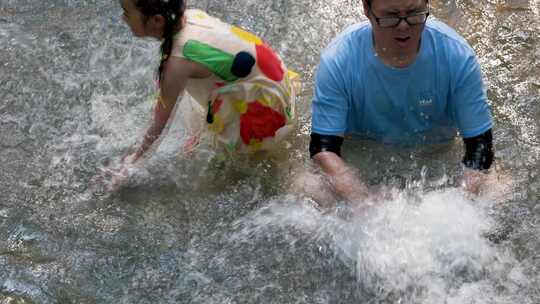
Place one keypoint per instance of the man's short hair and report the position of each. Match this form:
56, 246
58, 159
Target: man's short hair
369, 2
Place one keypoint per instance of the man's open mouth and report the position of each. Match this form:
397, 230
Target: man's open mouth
402, 39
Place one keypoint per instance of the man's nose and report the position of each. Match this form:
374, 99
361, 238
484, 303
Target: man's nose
402, 25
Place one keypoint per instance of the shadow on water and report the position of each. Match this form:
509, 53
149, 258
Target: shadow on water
75, 93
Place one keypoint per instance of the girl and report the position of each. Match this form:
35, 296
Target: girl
241, 83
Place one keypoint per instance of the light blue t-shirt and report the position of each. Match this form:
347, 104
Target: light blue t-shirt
432, 99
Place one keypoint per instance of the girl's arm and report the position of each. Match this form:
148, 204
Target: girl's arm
176, 74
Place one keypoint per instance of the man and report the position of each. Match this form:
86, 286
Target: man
399, 78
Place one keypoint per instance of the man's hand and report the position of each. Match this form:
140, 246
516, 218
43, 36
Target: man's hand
314, 186
343, 179
473, 180
494, 185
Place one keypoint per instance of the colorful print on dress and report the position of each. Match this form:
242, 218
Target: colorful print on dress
245, 35
259, 122
226, 66
269, 62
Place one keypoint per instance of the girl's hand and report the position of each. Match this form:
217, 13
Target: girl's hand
115, 176
119, 175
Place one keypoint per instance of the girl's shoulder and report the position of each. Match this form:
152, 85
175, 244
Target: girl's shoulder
197, 17
204, 34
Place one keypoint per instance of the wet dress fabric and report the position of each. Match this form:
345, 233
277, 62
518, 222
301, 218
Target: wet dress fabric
249, 98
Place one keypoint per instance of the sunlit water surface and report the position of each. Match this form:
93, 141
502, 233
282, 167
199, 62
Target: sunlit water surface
75, 93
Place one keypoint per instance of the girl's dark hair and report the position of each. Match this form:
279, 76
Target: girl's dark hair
173, 12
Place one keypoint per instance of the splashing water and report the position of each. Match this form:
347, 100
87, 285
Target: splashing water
430, 248
76, 92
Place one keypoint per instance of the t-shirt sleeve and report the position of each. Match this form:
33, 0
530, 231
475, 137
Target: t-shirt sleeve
330, 102
468, 98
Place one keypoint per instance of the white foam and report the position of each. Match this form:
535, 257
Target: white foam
420, 249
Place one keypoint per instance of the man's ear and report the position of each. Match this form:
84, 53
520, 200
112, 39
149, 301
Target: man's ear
366, 8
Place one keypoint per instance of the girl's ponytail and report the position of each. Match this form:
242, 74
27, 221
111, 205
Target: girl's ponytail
172, 18
173, 12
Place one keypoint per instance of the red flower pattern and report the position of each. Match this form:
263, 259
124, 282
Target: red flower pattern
259, 122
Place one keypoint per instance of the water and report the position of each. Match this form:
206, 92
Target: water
75, 92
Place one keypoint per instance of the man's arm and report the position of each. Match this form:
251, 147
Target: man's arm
330, 109
479, 151
477, 160
472, 114
326, 151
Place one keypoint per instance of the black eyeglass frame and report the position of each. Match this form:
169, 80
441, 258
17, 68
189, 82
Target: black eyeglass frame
400, 18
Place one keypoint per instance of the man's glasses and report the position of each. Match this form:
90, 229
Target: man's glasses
393, 21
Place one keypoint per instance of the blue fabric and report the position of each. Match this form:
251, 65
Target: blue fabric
432, 99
